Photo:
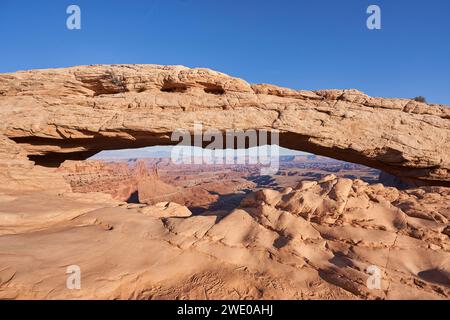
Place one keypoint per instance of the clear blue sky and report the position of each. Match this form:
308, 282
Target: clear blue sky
301, 44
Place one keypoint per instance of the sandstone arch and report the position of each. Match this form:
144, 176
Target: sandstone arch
73, 113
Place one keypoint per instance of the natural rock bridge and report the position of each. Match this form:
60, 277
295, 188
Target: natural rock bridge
73, 113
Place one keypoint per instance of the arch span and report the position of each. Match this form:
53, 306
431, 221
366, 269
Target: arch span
76, 112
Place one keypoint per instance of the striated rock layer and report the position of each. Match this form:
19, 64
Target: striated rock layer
72, 113
116, 179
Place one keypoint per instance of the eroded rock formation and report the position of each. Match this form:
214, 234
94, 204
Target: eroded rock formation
117, 179
314, 241
133, 183
61, 114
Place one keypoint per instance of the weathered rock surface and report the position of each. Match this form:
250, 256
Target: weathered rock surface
166, 210
316, 241
61, 114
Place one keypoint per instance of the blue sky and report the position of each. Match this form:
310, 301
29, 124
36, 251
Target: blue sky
301, 44
166, 152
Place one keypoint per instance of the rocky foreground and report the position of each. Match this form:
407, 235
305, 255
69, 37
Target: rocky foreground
315, 241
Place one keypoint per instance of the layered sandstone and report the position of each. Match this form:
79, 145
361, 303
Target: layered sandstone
137, 182
72, 113
117, 179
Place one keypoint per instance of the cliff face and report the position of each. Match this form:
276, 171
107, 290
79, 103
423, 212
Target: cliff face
133, 183
117, 179
72, 113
